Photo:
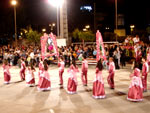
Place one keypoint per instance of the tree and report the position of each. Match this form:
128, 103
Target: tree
33, 37
86, 36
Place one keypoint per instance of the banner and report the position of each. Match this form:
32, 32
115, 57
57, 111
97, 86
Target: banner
49, 46
100, 47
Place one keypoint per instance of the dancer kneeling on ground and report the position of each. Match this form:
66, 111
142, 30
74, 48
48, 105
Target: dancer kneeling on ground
72, 80
44, 81
7, 75
30, 80
98, 84
135, 92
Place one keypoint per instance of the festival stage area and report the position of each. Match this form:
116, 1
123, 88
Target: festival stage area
18, 98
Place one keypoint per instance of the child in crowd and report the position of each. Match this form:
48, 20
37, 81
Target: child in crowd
98, 84
7, 75
72, 81
145, 69
135, 92
61, 66
30, 80
111, 70
44, 83
84, 70
23, 68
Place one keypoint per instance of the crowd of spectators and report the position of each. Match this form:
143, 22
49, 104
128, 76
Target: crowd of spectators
120, 52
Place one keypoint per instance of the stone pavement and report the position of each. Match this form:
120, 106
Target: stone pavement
17, 98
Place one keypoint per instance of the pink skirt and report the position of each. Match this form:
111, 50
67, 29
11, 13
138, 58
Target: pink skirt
6, 78
31, 82
71, 87
44, 84
135, 93
98, 89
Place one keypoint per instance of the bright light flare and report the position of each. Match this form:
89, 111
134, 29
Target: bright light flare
56, 3
14, 2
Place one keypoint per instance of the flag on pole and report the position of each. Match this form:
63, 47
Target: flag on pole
48, 42
100, 47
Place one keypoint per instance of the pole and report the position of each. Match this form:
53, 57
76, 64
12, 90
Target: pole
15, 25
94, 17
58, 21
116, 13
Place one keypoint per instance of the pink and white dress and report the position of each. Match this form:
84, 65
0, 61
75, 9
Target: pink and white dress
72, 80
135, 92
148, 58
98, 85
145, 70
44, 82
84, 72
61, 66
7, 75
30, 80
22, 71
110, 77
41, 69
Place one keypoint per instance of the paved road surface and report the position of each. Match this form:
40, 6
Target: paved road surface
17, 98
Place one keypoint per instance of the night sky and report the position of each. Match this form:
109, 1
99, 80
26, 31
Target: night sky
39, 13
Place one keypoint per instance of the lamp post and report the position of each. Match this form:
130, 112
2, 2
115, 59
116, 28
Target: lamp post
14, 3
57, 4
52, 26
132, 28
116, 17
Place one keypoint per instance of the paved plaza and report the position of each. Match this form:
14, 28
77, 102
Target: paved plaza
18, 98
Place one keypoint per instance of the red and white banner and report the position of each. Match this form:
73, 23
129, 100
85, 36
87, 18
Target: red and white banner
100, 47
49, 46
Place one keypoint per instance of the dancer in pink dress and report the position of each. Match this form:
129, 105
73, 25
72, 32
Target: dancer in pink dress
111, 70
98, 84
135, 92
44, 83
72, 81
41, 68
145, 69
23, 68
148, 56
30, 80
61, 66
84, 71
7, 75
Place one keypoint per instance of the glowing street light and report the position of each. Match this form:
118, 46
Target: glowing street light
43, 30
52, 26
87, 26
132, 28
58, 4
84, 29
14, 3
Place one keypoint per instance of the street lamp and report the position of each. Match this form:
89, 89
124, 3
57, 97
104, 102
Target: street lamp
132, 28
52, 26
14, 3
87, 26
116, 13
84, 29
43, 30
58, 4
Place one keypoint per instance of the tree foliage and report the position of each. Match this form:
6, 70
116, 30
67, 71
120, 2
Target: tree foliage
33, 37
86, 36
